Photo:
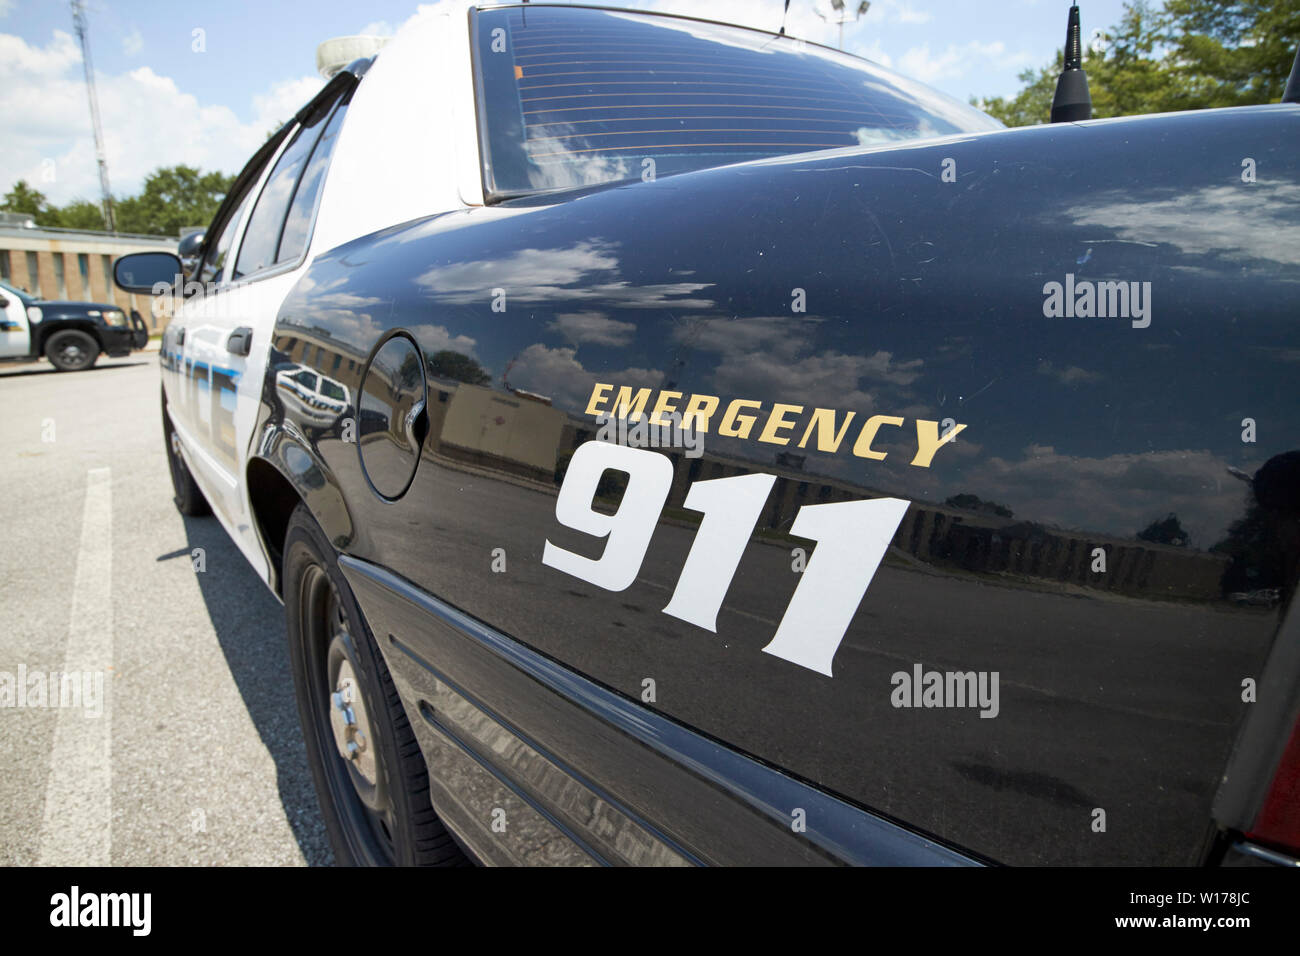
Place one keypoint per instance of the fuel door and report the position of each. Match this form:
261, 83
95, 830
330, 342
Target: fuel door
392, 420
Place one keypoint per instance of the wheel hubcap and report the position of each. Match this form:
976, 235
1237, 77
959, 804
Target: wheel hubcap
358, 778
72, 354
351, 724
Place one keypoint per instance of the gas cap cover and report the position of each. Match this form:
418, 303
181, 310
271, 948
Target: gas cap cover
392, 419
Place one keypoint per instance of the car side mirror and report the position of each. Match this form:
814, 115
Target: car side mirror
189, 249
144, 271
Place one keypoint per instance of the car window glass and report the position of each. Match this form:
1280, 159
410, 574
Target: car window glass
296, 226
262, 237
307, 379
213, 268
574, 96
331, 389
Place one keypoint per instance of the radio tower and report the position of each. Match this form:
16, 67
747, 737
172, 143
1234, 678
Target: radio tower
79, 24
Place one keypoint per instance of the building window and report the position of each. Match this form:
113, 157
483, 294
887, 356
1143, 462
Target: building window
4, 265
33, 277
107, 262
83, 266
338, 361
60, 280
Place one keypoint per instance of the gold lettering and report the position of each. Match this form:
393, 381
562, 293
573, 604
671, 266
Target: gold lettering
664, 404
928, 441
701, 408
828, 439
862, 447
777, 422
626, 403
598, 394
735, 425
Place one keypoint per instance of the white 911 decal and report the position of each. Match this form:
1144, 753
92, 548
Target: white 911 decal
851, 536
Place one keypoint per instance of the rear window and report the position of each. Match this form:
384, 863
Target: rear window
575, 97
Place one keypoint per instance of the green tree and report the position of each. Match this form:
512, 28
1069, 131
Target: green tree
1230, 53
80, 214
1183, 55
1166, 530
173, 197
458, 366
22, 198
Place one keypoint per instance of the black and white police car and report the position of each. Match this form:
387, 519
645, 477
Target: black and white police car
809, 636
72, 335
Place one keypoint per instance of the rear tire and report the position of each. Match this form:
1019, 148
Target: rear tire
72, 351
188, 498
376, 801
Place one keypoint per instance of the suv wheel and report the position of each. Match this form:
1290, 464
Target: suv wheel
72, 351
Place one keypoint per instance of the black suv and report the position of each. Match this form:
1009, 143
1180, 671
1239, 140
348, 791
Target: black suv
72, 335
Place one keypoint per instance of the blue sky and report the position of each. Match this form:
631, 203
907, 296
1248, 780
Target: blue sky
165, 103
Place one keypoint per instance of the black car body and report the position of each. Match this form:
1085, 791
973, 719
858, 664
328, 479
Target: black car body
997, 422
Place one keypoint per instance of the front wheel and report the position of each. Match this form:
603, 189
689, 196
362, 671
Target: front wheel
72, 351
370, 776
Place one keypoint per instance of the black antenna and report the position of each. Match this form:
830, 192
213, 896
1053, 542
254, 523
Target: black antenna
784, 14
1072, 101
1292, 94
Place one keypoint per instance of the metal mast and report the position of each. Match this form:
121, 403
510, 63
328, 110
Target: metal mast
79, 25
842, 15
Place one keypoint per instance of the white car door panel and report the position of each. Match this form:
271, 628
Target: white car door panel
216, 391
15, 334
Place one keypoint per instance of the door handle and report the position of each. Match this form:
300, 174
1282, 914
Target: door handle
240, 341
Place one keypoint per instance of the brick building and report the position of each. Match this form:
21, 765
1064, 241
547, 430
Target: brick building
72, 264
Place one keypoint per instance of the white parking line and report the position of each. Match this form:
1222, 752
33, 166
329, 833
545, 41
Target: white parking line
77, 829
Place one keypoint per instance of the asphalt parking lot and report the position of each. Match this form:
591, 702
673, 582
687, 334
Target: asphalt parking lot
176, 741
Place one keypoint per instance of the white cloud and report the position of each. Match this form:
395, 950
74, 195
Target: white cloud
875, 53
1256, 223
585, 270
771, 355
148, 121
1117, 494
557, 374
6, 7
956, 60
899, 11
378, 28
595, 328
132, 43
278, 104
